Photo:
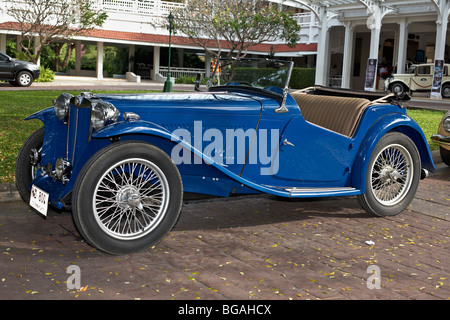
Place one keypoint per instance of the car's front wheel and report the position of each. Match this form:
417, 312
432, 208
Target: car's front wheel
398, 89
24, 79
127, 197
392, 175
27, 161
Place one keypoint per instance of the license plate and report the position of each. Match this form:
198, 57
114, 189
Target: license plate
39, 200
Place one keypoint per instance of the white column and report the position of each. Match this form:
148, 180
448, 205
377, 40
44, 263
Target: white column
3, 42
441, 35
322, 50
131, 51
99, 60
156, 58
374, 24
374, 43
77, 57
348, 55
441, 30
402, 45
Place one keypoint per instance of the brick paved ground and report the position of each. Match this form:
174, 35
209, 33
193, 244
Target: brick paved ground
249, 249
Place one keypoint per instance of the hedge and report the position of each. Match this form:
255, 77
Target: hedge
302, 78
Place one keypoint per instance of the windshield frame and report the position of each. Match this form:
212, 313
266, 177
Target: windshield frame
288, 64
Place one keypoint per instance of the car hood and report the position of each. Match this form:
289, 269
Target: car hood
28, 64
185, 103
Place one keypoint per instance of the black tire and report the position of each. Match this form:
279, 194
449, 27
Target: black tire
24, 79
446, 90
398, 89
24, 168
127, 197
392, 176
445, 155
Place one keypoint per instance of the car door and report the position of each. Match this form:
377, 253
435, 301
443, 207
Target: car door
423, 78
312, 154
6, 67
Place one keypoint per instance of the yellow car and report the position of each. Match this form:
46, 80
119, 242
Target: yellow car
443, 138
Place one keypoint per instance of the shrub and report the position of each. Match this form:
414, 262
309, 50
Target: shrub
303, 78
185, 80
47, 75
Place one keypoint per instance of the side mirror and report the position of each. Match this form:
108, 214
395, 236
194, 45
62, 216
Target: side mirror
198, 82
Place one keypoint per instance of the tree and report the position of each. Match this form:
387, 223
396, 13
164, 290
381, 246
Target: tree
44, 21
235, 25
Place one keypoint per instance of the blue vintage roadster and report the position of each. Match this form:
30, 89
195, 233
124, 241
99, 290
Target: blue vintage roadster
123, 161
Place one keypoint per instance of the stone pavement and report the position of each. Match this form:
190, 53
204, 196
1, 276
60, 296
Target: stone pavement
244, 248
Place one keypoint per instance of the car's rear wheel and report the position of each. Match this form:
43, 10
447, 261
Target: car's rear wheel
392, 176
127, 198
24, 79
26, 162
446, 90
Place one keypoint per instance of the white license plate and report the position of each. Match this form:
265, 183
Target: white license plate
39, 200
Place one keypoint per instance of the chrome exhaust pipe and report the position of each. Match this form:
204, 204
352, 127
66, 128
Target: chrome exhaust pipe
424, 174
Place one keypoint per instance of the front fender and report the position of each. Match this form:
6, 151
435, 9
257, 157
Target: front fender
145, 128
391, 122
406, 84
151, 129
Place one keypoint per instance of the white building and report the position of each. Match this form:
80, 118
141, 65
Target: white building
129, 24
337, 36
393, 32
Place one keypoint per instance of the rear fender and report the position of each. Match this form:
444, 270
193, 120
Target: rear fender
389, 123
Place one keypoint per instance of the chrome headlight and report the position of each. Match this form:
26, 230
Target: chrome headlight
61, 106
446, 124
103, 113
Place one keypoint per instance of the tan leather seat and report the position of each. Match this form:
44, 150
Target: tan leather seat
339, 114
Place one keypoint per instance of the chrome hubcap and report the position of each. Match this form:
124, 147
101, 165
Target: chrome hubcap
25, 79
131, 199
391, 175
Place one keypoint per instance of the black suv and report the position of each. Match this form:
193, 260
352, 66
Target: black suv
18, 73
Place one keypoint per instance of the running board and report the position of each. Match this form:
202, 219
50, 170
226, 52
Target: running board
322, 192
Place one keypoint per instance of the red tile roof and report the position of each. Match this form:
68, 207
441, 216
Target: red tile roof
176, 40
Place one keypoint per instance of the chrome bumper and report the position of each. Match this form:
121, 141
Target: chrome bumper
443, 140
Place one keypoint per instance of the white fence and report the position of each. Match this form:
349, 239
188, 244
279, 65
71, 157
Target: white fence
179, 72
146, 7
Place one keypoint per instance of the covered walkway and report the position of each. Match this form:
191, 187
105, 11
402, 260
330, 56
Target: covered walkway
389, 32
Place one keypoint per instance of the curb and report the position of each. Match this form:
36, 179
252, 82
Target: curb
9, 193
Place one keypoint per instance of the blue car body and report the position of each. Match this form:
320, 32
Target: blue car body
326, 160
279, 153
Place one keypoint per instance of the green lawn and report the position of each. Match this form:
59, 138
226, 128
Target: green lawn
14, 107
17, 105
429, 121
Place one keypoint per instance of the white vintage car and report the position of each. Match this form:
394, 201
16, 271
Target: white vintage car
419, 77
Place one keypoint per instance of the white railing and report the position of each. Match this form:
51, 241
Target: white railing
306, 19
146, 7
179, 72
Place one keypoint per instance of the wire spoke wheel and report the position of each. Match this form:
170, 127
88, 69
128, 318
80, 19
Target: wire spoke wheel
127, 197
391, 174
130, 199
